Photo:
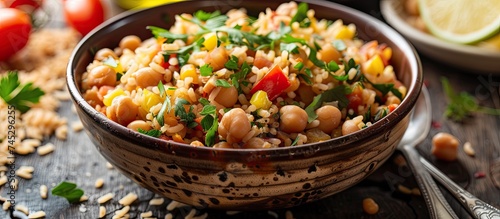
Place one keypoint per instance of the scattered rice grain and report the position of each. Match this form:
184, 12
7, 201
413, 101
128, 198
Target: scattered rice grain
102, 211
103, 199
156, 201
77, 126
38, 214
22, 209
128, 199
469, 150
99, 183
43, 191
46, 149
146, 214
84, 198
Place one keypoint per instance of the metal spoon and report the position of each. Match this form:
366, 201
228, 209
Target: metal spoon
476, 207
417, 131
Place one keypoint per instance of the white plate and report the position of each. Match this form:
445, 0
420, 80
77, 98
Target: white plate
464, 57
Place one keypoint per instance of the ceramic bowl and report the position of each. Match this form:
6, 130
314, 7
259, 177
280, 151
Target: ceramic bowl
244, 179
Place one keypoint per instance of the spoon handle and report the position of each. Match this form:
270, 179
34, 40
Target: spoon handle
437, 204
476, 207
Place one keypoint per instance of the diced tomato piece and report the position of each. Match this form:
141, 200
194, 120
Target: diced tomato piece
273, 83
165, 63
355, 99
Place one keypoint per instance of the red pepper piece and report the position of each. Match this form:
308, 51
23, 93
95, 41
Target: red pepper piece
273, 83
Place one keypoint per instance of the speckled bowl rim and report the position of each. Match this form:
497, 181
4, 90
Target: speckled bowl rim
335, 144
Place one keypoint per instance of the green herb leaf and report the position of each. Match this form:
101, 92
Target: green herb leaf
187, 117
204, 16
204, 101
208, 110
290, 47
295, 141
153, 132
232, 63
299, 66
463, 104
69, 191
161, 88
332, 66
301, 13
17, 95
335, 94
222, 83
167, 106
206, 70
210, 126
160, 32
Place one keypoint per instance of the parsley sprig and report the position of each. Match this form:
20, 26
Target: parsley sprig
17, 95
335, 94
210, 122
462, 105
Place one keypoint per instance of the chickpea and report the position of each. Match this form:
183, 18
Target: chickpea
444, 146
93, 97
101, 76
105, 53
123, 110
130, 42
254, 143
352, 125
234, 125
305, 93
293, 119
139, 124
329, 118
217, 58
146, 77
222, 144
370, 206
227, 97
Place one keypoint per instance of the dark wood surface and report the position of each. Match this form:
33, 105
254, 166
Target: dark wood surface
77, 160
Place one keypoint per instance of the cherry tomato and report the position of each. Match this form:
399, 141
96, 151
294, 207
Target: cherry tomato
83, 15
15, 29
355, 98
24, 5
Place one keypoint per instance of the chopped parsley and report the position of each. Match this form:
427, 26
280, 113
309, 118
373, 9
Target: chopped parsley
206, 70
209, 123
186, 117
153, 132
222, 83
17, 95
335, 94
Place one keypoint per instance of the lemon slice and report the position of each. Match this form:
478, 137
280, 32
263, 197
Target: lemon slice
461, 21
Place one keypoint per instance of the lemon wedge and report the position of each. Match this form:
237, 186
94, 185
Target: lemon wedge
461, 21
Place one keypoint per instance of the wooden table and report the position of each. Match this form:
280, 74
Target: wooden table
77, 160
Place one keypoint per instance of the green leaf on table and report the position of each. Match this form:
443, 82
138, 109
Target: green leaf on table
462, 105
17, 95
69, 191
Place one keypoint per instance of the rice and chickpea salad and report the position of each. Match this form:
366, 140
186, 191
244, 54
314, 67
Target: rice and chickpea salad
232, 81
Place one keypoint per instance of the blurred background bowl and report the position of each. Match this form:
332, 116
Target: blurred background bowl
461, 57
244, 179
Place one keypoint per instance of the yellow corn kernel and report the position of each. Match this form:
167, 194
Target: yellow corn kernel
210, 41
260, 100
149, 99
108, 98
374, 65
189, 70
387, 53
344, 33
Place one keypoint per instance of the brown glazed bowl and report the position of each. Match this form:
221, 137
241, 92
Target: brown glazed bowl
244, 179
